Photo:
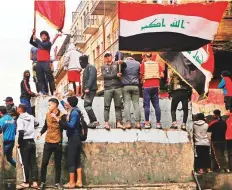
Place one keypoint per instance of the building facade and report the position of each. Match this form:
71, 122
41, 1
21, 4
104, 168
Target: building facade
95, 31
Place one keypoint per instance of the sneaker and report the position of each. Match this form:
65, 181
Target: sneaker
120, 126
147, 126
58, 186
227, 171
42, 186
158, 126
174, 125
128, 125
93, 125
137, 125
183, 127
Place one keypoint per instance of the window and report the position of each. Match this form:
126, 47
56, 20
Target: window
98, 51
116, 34
108, 41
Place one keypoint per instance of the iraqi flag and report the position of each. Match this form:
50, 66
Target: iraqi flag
155, 27
194, 67
53, 11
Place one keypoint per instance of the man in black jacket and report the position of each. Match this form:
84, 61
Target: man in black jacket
26, 92
112, 73
89, 89
217, 128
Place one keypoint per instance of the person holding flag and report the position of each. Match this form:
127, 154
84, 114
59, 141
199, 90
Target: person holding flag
43, 69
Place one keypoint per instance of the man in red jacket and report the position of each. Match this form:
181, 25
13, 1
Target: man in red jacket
43, 69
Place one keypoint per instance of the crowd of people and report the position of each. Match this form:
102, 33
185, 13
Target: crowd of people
122, 77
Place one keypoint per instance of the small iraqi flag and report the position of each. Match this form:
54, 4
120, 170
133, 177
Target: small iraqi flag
194, 67
155, 27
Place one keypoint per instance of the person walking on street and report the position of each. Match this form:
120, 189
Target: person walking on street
112, 89
53, 142
89, 89
11, 108
217, 128
202, 144
151, 72
226, 85
8, 128
71, 63
179, 92
43, 69
26, 93
130, 82
26, 129
72, 126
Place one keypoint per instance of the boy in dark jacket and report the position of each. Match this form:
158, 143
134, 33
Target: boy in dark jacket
112, 73
43, 69
89, 89
218, 129
26, 92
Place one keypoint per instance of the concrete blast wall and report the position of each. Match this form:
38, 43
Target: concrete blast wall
126, 157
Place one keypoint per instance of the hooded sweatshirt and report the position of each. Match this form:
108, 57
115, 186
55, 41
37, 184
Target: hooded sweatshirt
200, 133
27, 124
71, 59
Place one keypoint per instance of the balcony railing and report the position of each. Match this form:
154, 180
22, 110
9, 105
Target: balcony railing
79, 37
91, 20
91, 24
101, 7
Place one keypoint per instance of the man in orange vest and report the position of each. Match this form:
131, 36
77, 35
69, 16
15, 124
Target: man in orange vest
151, 72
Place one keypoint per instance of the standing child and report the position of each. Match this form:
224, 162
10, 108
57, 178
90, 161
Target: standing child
202, 144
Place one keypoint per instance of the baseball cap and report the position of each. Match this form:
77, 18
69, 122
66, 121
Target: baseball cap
107, 54
8, 99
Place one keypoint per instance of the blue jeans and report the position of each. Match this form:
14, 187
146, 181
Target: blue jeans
8, 151
151, 94
27, 103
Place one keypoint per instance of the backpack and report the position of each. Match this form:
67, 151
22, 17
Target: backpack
83, 126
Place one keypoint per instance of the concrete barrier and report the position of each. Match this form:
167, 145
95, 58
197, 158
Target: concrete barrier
125, 157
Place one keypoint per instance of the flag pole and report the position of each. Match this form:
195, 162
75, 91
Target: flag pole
34, 16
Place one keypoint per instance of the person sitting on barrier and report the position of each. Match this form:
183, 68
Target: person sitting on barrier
26, 93
112, 73
89, 87
130, 81
71, 63
26, 129
8, 128
72, 125
226, 85
179, 92
151, 72
217, 128
202, 144
53, 142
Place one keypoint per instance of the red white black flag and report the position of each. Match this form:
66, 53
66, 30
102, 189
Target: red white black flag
155, 27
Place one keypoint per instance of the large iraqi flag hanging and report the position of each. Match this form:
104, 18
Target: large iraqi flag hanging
155, 27
53, 11
194, 67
